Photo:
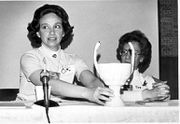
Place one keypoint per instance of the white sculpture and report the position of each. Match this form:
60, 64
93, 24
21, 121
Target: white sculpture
114, 75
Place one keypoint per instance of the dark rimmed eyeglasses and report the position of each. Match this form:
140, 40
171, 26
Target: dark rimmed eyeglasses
128, 52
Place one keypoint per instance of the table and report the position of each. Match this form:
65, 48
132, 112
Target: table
84, 112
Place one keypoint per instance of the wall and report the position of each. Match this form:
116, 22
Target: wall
94, 21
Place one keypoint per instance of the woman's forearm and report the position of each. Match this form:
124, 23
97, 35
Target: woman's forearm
64, 89
89, 80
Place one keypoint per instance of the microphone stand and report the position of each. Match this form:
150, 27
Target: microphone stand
44, 77
127, 86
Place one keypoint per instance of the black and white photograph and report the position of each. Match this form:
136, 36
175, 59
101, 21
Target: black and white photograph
94, 61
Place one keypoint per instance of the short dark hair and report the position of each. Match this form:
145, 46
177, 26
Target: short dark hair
145, 47
34, 26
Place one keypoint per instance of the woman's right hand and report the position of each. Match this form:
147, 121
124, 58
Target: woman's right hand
99, 95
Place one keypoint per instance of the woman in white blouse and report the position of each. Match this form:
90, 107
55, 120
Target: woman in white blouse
50, 33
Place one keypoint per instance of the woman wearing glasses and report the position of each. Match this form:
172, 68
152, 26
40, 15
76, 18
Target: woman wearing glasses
147, 87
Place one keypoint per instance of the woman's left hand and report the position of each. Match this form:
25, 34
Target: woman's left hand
164, 90
100, 95
160, 92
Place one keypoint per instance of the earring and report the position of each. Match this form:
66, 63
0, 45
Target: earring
38, 34
63, 34
141, 60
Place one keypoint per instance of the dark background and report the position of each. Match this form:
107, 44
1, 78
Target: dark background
168, 43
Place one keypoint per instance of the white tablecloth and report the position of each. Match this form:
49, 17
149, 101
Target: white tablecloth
86, 112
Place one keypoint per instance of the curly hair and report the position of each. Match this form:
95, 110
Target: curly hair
145, 47
34, 26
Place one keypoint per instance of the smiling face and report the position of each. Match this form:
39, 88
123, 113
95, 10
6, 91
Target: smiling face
126, 54
51, 31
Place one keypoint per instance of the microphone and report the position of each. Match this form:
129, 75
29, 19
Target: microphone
44, 78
